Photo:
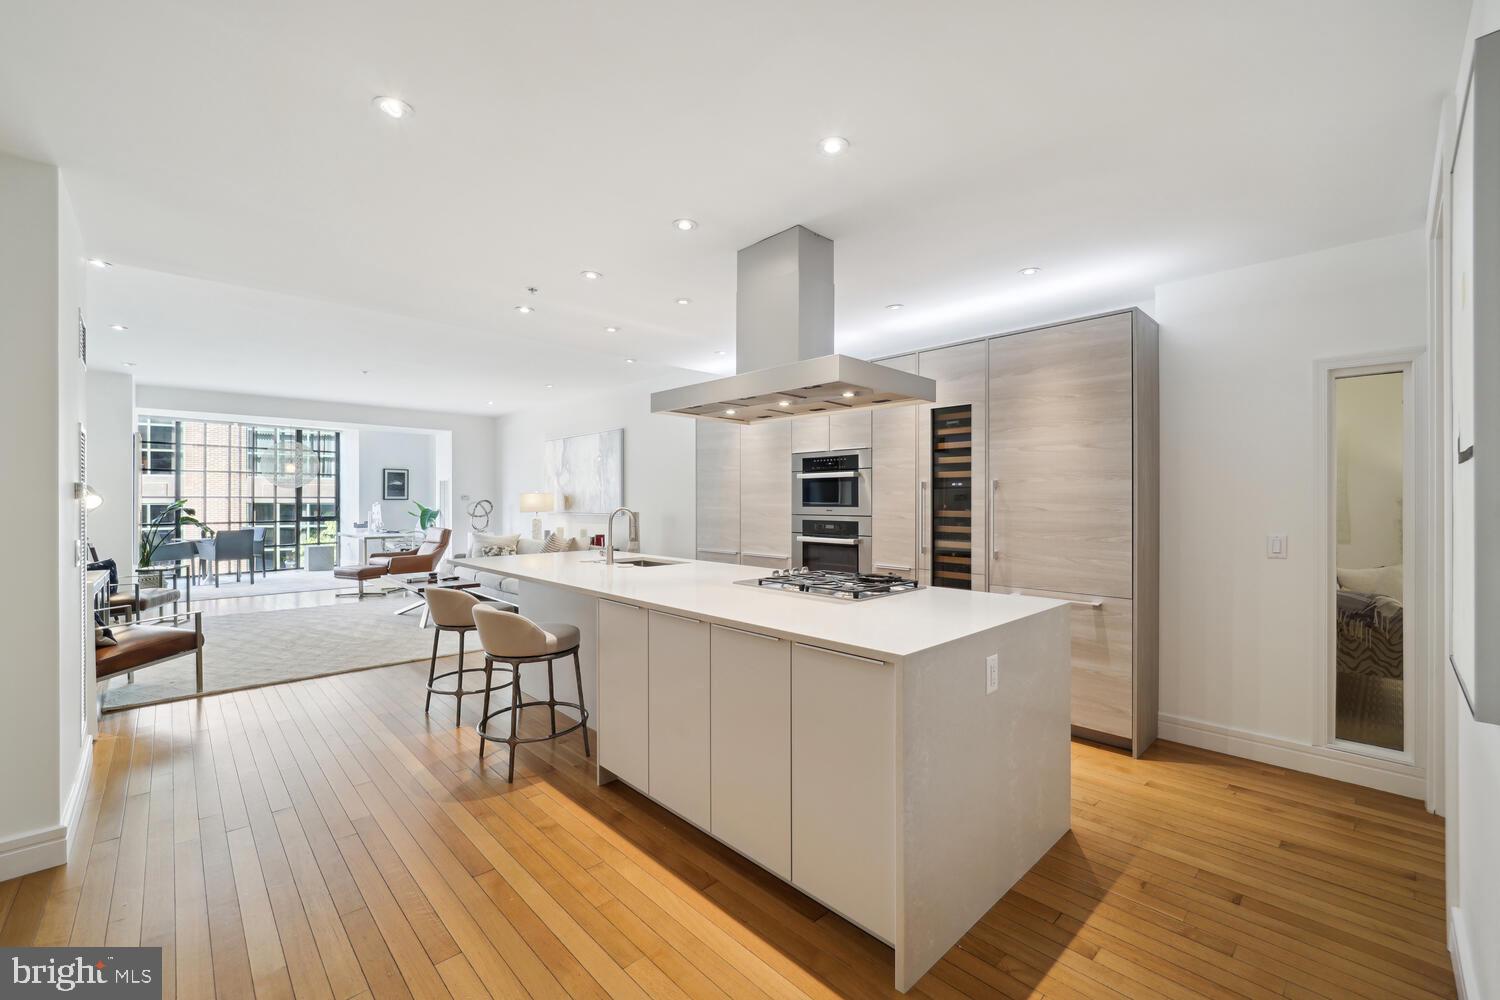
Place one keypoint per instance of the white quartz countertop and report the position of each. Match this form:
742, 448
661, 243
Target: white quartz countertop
883, 628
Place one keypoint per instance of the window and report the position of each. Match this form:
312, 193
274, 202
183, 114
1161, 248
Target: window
228, 474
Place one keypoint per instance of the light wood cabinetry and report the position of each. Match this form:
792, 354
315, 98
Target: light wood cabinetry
810, 433
624, 712
766, 494
951, 443
893, 490
849, 430
843, 798
678, 714
1073, 490
750, 732
718, 490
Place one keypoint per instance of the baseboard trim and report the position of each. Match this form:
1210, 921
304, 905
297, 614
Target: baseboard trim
49, 847
1399, 779
1458, 949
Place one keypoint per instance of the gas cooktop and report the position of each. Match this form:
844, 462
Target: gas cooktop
826, 583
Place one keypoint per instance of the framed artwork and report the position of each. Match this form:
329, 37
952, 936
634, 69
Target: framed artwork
395, 484
586, 473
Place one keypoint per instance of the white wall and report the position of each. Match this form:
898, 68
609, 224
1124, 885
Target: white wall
112, 464
42, 746
659, 464
468, 442
1472, 748
379, 450
1241, 655
1368, 417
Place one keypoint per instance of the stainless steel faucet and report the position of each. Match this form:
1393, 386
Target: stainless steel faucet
633, 545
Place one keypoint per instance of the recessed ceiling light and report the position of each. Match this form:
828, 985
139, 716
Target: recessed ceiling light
630, 361
130, 364
728, 413
834, 145
683, 302
96, 262
1031, 271
611, 329
547, 386
364, 371
848, 395
785, 402
525, 309
685, 224
719, 353
118, 326
590, 275
394, 107
894, 306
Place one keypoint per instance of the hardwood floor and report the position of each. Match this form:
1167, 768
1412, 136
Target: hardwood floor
326, 839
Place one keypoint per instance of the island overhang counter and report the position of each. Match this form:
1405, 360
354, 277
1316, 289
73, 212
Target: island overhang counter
903, 760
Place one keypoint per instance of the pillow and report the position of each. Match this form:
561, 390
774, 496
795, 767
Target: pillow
479, 539
496, 549
1383, 581
104, 637
529, 546
555, 543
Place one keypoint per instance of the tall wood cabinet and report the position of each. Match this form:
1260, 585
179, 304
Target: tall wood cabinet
766, 494
718, 491
1072, 491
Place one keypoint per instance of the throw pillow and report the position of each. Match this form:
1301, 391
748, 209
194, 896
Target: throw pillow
555, 543
497, 550
104, 637
1383, 581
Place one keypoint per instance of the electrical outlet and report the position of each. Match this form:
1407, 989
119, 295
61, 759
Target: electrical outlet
992, 673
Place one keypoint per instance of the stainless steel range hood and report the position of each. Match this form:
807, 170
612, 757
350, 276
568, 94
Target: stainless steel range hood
784, 345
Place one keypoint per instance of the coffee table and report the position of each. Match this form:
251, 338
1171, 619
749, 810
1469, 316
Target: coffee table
417, 587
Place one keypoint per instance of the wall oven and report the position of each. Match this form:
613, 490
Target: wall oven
832, 482
831, 544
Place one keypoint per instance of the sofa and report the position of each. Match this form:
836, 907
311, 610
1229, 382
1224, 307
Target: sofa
482, 543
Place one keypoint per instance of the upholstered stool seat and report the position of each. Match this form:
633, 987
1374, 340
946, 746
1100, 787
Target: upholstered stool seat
516, 640
360, 574
453, 611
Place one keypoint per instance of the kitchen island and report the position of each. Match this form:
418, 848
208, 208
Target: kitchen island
903, 760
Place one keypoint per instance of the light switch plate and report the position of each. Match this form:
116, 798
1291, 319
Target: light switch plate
992, 673
1275, 546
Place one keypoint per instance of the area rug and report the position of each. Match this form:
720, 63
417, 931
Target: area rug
284, 581
264, 647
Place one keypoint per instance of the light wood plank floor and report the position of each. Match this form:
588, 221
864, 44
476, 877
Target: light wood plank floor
326, 839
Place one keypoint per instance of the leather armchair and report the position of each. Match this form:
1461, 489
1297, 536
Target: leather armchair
427, 556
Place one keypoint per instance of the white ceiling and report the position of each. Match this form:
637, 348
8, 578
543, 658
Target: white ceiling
209, 145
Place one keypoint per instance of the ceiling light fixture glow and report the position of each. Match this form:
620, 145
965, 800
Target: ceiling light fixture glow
785, 402
1031, 271
685, 225
630, 361
834, 145
547, 386
393, 107
525, 310
848, 395
728, 413
590, 275
611, 329
684, 302
130, 364
97, 262
119, 326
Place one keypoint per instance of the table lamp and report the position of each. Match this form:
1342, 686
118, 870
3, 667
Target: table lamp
536, 503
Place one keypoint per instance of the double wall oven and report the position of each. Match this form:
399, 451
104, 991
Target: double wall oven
831, 511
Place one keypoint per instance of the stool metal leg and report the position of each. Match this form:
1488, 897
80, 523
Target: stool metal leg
583, 712
432, 670
515, 712
484, 713
551, 698
458, 699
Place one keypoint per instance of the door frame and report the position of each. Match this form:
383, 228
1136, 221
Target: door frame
1410, 362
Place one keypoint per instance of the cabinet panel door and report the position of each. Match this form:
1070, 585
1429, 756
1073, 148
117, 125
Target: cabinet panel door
847, 431
810, 433
766, 493
893, 499
1103, 658
1061, 458
844, 785
718, 460
905, 363
751, 734
678, 715
961, 374
624, 712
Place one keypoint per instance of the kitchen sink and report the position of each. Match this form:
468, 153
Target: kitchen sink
642, 561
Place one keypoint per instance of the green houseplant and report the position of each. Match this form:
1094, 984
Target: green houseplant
427, 517
162, 527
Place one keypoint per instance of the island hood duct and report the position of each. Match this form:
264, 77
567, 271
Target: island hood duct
784, 345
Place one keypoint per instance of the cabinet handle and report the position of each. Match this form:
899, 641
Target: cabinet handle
994, 544
893, 566
1096, 603
851, 474
821, 540
922, 516
755, 635
719, 552
763, 555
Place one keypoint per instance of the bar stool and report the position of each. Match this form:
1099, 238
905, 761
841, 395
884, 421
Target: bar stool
453, 611
514, 639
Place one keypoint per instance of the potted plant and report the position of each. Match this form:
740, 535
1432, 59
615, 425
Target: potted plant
160, 531
427, 517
